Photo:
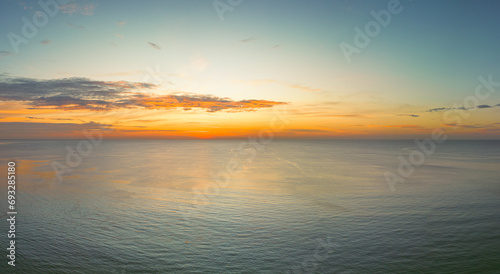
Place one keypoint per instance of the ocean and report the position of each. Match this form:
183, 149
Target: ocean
228, 206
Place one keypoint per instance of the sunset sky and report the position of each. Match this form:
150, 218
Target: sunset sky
205, 69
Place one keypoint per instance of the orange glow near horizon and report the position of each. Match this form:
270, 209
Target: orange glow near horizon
123, 113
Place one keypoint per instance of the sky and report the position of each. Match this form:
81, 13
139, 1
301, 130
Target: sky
225, 69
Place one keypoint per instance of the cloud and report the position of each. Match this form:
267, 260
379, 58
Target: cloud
209, 102
277, 46
10, 130
75, 26
308, 130
325, 112
304, 88
87, 9
119, 35
155, 46
409, 115
403, 126
45, 42
70, 8
462, 126
65, 119
437, 109
24, 5
5, 53
70, 103
121, 23
251, 39
29, 89
460, 108
86, 94
283, 83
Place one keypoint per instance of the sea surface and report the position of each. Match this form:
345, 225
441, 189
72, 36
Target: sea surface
227, 206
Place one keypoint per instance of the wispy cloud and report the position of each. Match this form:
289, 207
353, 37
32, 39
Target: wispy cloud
87, 9
440, 109
119, 35
412, 127
155, 46
405, 126
437, 109
301, 130
283, 83
277, 46
65, 119
410, 115
327, 110
45, 42
251, 39
301, 87
10, 130
121, 23
25, 6
461, 126
75, 26
4, 53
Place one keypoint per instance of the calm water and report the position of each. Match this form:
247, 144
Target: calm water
304, 206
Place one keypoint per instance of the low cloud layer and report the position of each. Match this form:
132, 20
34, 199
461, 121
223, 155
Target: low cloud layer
86, 94
14, 130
